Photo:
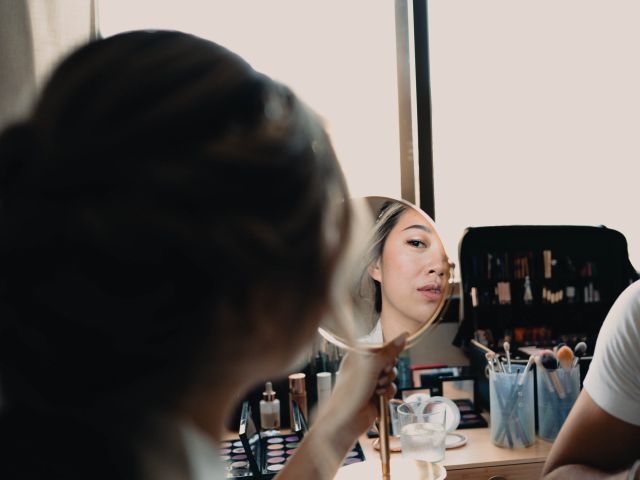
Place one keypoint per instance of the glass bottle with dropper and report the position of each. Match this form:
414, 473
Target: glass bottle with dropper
269, 409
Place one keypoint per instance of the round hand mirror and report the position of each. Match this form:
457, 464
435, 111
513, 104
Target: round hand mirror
401, 279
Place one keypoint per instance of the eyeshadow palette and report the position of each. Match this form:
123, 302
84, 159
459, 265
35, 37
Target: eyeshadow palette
233, 455
355, 455
266, 454
261, 455
469, 416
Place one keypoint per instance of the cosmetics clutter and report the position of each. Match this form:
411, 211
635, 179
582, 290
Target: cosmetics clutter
505, 278
536, 286
558, 386
260, 454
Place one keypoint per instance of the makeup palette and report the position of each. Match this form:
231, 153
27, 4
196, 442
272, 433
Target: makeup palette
261, 456
355, 455
266, 454
469, 416
235, 459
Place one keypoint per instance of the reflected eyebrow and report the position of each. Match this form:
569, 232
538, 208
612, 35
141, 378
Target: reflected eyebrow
419, 227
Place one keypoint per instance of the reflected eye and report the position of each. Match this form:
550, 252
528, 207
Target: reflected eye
417, 243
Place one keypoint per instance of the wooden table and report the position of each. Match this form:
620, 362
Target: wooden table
480, 459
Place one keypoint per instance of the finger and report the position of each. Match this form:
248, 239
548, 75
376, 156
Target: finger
386, 378
388, 392
395, 347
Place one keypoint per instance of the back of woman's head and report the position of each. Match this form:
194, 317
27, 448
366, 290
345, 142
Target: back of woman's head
159, 181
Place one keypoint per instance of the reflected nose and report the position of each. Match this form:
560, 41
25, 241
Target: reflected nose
439, 269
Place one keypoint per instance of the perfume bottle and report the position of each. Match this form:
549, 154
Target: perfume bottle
269, 409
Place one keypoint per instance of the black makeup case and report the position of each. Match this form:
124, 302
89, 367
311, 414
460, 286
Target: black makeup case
537, 286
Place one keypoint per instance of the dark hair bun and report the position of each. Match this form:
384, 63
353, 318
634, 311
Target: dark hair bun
18, 147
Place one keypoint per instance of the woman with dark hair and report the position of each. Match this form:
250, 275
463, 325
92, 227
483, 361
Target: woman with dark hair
403, 274
172, 224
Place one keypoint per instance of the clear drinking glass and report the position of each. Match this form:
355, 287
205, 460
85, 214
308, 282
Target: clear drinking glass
422, 430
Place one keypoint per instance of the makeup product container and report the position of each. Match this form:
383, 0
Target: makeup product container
298, 394
269, 409
265, 454
323, 380
512, 408
552, 409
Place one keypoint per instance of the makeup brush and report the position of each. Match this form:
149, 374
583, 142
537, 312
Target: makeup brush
507, 348
543, 373
565, 357
550, 363
490, 356
579, 350
530, 363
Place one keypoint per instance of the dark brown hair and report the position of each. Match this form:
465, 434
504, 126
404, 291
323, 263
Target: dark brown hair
159, 179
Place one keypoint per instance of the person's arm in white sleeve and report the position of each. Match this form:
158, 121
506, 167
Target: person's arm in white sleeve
601, 437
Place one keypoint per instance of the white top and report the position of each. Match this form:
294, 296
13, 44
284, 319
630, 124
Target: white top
203, 456
613, 379
374, 337
178, 450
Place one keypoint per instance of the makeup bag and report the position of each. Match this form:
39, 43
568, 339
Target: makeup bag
537, 286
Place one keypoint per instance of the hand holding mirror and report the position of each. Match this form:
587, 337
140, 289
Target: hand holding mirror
401, 282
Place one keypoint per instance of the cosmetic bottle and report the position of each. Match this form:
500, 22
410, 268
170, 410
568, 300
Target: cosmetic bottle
323, 380
528, 295
298, 394
269, 409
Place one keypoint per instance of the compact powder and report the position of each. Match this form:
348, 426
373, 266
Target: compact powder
225, 451
352, 454
292, 438
275, 468
238, 450
275, 446
349, 461
239, 457
239, 464
274, 453
275, 460
237, 444
292, 445
275, 440
291, 452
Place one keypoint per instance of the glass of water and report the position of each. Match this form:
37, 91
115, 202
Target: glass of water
422, 430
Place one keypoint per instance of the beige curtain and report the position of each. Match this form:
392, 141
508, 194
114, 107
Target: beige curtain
34, 36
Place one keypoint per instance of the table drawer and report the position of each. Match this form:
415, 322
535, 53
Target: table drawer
520, 471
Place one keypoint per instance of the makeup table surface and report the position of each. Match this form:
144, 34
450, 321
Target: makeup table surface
480, 459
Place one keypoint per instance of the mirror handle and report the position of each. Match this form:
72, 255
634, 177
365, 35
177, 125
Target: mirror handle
383, 430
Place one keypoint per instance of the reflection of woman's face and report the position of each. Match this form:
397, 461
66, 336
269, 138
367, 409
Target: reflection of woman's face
412, 271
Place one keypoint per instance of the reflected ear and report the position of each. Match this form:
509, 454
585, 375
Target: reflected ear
374, 271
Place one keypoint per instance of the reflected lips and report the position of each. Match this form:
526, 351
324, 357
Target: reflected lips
431, 292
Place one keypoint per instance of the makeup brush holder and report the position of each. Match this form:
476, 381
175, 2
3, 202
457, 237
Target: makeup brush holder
512, 408
556, 396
